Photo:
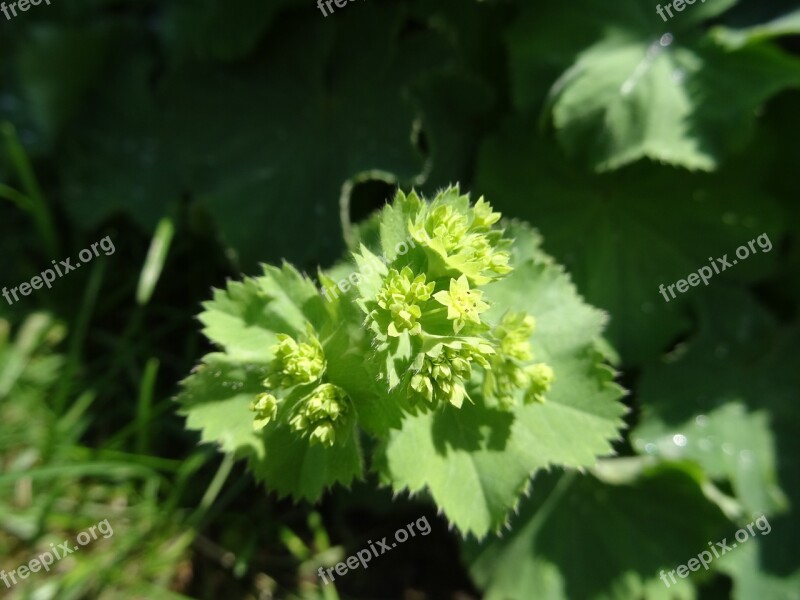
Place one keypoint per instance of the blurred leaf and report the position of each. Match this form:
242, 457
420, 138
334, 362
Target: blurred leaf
213, 29
740, 357
655, 89
787, 24
579, 538
322, 101
57, 66
751, 581
623, 234
728, 443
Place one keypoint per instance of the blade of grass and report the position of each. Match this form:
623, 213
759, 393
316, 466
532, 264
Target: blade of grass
78, 335
144, 407
98, 469
38, 208
154, 263
18, 198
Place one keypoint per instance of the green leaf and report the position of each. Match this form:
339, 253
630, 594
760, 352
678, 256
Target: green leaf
751, 580
540, 53
216, 400
154, 262
211, 29
706, 404
244, 318
292, 467
577, 537
322, 101
348, 353
663, 91
646, 226
740, 355
787, 24
488, 456
728, 443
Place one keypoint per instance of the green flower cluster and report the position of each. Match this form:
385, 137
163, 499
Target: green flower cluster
296, 364
462, 303
321, 413
459, 239
427, 306
322, 408
426, 317
440, 373
508, 372
401, 297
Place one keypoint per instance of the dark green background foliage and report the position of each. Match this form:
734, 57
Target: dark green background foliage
263, 131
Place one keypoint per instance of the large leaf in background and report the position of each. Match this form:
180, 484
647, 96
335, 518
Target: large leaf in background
539, 52
751, 581
320, 102
216, 29
460, 102
487, 455
643, 88
787, 23
578, 537
56, 67
739, 358
728, 442
623, 234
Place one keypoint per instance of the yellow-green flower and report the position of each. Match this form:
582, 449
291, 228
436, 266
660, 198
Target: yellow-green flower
460, 238
321, 414
442, 372
296, 363
484, 218
513, 333
401, 295
540, 378
462, 303
442, 224
266, 408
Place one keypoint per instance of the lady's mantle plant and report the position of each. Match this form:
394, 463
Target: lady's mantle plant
468, 356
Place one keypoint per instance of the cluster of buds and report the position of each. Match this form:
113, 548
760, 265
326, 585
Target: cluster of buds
296, 363
431, 298
320, 412
265, 407
401, 296
508, 375
440, 374
460, 239
463, 304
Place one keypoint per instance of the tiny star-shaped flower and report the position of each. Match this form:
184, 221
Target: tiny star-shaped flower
462, 303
